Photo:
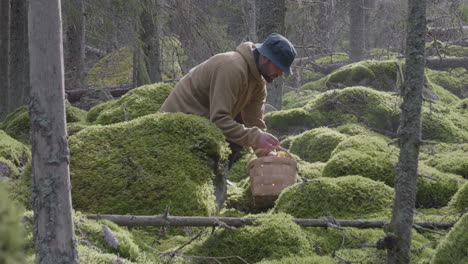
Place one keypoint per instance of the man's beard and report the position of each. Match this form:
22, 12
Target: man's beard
264, 74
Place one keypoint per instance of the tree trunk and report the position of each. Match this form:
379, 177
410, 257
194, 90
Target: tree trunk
4, 61
357, 30
149, 39
75, 45
409, 137
436, 63
54, 237
271, 19
325, 25
251, 20
167, 220
19, 89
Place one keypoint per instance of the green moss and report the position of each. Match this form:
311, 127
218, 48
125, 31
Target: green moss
271, 237
239, 197
73, 128
453, 162
238, 170
297, 98
13, 154
460, 200
17, 123
137, 102
358, 129
336, 58
344, 197
11, 242
443, 124
452, 248
316, 144
453, 80
146, 164
301, 260
437, 191
114, 69
378, 110
309, 170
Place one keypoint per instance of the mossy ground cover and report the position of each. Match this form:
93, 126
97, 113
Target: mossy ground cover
316, 145
16, 124
452, 249
345, 197
138, 102
144, 165
459, 201
14, 156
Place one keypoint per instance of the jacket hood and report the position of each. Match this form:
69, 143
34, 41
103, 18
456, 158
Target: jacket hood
246, 50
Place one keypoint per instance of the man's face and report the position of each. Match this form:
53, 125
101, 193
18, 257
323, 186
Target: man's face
269, 70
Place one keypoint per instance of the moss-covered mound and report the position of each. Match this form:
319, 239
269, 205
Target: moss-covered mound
141, 166
11, 238
17, 125
437, 190
13, 156
271, 237
316, 144
347, 197
453, 247
363, 155
358, 129
309, 170
460, 200
377, 110
454, 80
113, 69
301, 260
92, 246
444, 124
453, 162
137, 102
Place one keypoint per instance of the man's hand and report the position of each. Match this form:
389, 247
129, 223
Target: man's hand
266, 141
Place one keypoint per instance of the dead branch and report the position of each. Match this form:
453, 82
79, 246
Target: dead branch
109, 237
437, 63
422, 229
172, 253
161, 220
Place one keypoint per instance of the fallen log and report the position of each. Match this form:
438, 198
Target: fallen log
437, 63
116, 91
163, 220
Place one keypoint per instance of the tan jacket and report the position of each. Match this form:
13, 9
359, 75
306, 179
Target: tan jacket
220, 88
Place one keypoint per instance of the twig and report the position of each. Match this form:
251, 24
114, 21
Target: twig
422, 229
172, 253
343, 259
427, 176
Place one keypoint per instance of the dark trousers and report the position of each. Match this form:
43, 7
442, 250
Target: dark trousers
220, 182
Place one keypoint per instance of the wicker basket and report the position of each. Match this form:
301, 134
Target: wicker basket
271, 175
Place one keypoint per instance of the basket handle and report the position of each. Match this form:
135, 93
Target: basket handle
277, 147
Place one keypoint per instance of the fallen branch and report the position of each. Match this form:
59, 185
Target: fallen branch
161, 220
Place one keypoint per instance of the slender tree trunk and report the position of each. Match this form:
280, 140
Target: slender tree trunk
4, 61
357, 30
250, 20
149, 39
19, 89
399, 233
325, 24
271, 19
75, 45
54, 237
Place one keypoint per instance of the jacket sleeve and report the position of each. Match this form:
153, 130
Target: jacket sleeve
252, 114
226, 86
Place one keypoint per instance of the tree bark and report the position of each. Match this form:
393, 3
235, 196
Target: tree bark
54, 236
19, 89
150, 61
75, 77
4, 61
409, 137
271, 19
163, 220
357, 30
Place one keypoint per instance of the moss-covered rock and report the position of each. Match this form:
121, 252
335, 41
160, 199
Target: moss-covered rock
454, 80
238, 170
309, 170
17, 125
11, 233
316, 144
350, 196
270, 237
452, 248
453, 162
114, 69
378, 110
363, 155
14, 156
444, 124
137, 102
142, 166
301, 260
459, 201
436, 191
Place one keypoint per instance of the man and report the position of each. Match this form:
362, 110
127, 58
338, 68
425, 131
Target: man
229, 89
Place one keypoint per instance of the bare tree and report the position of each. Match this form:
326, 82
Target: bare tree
4, 61
75, 45
409, 138
271, 19
357, 30
19, 87
54, 236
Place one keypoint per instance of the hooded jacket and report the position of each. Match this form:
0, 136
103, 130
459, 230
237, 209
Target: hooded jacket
220, 88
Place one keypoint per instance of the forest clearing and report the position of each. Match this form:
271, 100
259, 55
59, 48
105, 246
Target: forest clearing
98, 163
